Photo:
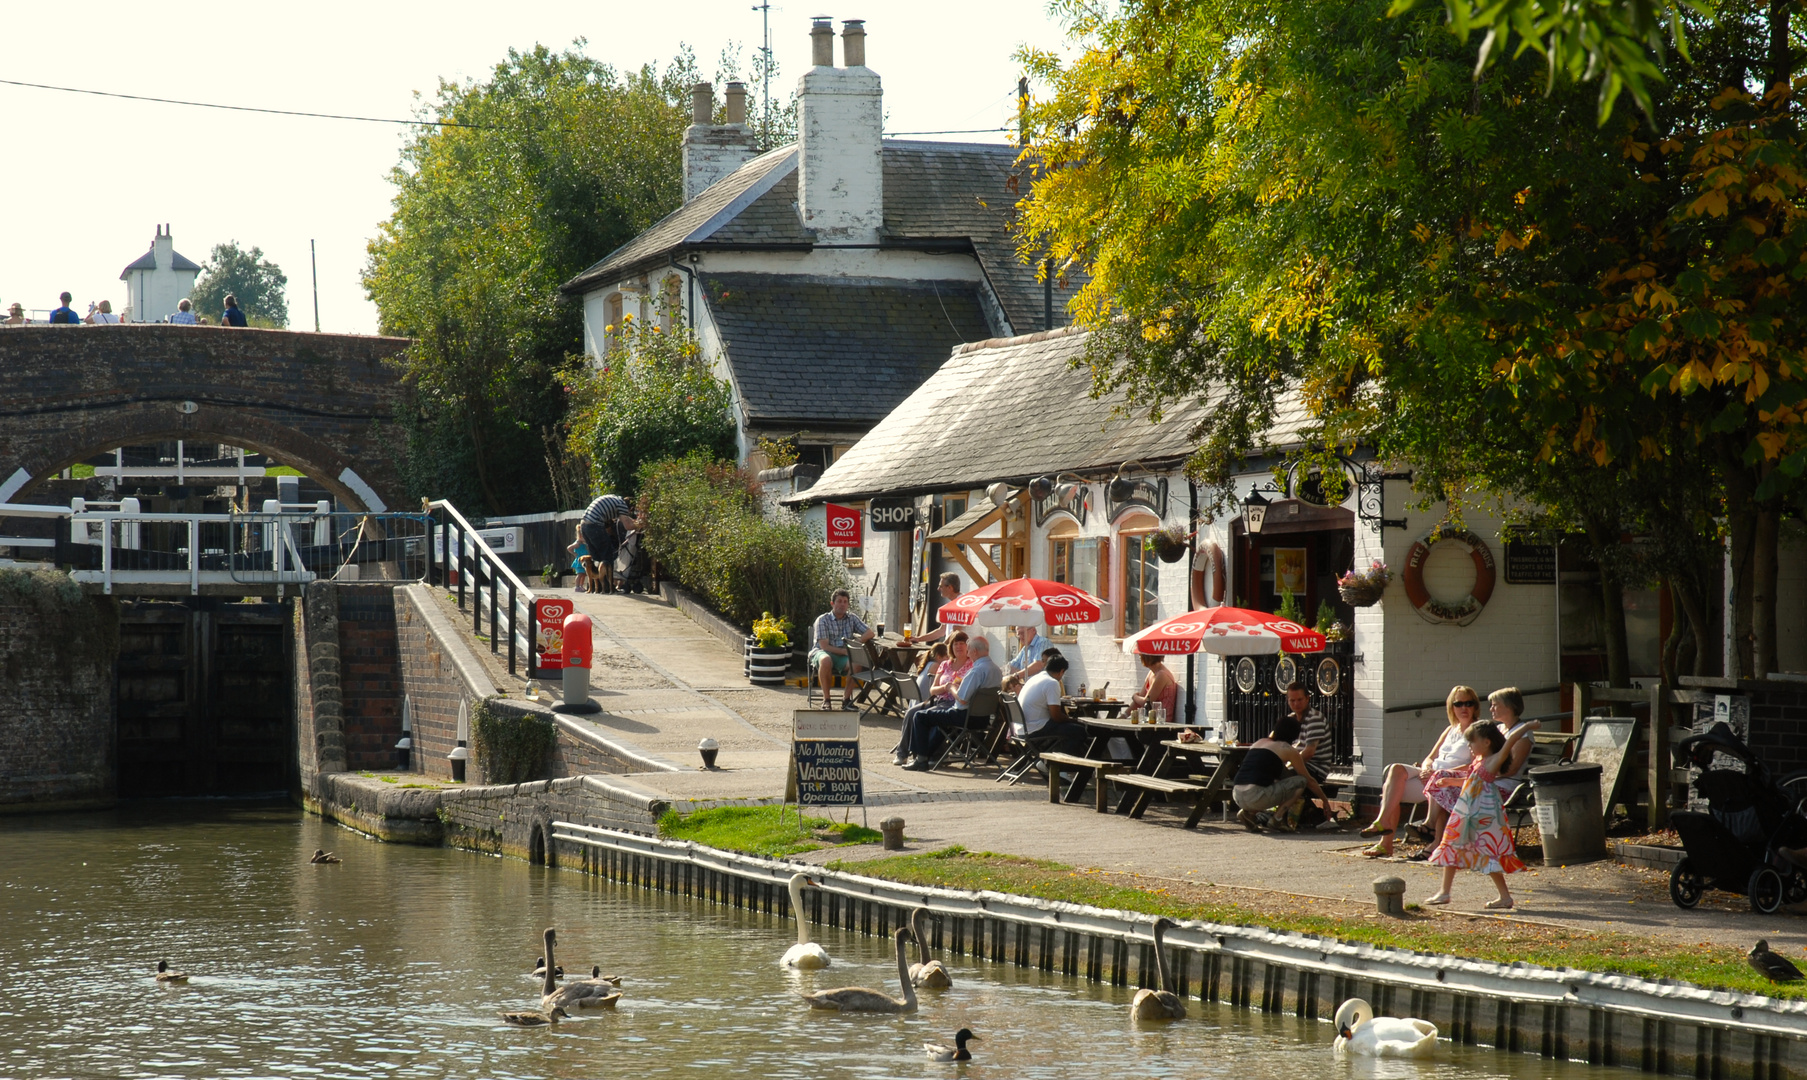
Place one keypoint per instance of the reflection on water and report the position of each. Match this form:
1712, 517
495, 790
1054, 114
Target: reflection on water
395, 964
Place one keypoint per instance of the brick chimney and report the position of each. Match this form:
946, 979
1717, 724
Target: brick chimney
840, 119
711, 150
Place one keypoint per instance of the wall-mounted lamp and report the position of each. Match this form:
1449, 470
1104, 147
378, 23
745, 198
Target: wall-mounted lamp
999, 493
1120, 489
1254, 510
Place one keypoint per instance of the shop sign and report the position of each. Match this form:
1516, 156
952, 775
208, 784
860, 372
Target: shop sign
843, 525
548, 638
893, 515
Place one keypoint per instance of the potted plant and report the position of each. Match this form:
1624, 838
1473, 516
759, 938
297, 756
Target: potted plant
1289, 608
1171, 544
1363, 588
549, 575
769, 650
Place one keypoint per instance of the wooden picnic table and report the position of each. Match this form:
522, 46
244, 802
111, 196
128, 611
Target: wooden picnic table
1221, 761
1147, 736
1080, 708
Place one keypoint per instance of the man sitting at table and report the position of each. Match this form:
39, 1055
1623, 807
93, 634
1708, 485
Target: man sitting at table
1044, 714
953, 715
837, 631
1273, 777
950, 591
1028, 659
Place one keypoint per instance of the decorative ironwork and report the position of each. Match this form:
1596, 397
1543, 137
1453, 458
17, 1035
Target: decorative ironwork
1254, 702
1151, 495
1074, 499
1330, 677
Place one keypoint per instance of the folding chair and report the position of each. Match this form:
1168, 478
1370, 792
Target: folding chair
877, 686
1028, 747
981, 712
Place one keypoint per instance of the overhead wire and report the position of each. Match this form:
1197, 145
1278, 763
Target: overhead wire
248, 108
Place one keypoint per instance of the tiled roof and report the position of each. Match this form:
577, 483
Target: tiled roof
836, 352
959, 192
148, 261
1012, 409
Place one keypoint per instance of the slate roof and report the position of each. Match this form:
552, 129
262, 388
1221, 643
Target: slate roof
787, 336
962, 193
148, 261
1011, 409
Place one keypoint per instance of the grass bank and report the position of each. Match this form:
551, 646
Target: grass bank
772, 831
1703, 964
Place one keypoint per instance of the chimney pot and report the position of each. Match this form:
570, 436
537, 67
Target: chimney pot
853, 42
821, 41
737, 103
702, 103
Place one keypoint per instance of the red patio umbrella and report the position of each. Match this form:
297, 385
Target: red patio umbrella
1024, 602
1226, 631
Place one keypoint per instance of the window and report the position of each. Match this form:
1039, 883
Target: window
612, 335
952, 506
856, 556
1063, 539
1141, 574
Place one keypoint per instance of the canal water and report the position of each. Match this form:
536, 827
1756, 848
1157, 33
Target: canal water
397, 962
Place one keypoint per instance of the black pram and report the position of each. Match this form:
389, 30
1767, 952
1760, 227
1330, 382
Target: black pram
1744, 842
633, 567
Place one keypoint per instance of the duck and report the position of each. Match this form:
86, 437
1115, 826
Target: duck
596, 975
805, 954
1360, 1032
860, 999
1162, 1004
926, 973
539, 968
581, 993
165, 975
956, 1052
322, 857
1773, 966
535, 1017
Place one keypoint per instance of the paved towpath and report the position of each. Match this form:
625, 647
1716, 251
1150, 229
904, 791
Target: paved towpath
665, 684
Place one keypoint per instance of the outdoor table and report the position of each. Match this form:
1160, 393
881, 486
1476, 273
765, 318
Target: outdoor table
1148, 736
896, 654
1223, 762
1080, 708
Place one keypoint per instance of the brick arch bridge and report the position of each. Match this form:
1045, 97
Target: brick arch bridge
321, 403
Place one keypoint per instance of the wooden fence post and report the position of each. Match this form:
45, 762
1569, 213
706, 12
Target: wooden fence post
1659, 754
1583, 702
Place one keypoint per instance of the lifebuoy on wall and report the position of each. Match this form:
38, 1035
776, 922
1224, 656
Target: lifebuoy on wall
1463, 611
1208, 577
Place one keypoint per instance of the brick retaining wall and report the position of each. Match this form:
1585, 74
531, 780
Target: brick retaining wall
370, 682
57, 733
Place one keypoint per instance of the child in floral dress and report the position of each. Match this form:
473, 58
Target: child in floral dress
1476, 837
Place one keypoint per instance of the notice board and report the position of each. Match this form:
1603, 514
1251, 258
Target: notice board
825, 756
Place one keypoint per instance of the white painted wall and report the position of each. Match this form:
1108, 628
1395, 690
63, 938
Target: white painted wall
840, 184
152, 295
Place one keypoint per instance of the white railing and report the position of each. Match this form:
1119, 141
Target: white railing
468, 554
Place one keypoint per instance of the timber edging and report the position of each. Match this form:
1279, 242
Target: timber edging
1658, 1026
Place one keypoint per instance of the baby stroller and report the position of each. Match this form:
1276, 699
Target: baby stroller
1744, 842
633, 566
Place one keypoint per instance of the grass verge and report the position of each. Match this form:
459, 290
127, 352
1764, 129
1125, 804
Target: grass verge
772, 831
1702, 964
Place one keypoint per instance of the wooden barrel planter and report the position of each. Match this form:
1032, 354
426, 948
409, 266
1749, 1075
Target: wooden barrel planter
767, 667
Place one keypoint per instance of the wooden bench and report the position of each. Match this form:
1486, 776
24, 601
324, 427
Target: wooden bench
1140, 790
1083, 768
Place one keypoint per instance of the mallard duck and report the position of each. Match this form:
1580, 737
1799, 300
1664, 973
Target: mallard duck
539, 968
926, 972
1773, 966
535, 1017
582, 993
596, 975
860, 999
323, 856
1359, 1032
1162, 1004
165, 975
956, 1052
805, 953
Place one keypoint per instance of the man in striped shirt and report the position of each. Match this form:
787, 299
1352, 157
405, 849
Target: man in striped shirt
602, 524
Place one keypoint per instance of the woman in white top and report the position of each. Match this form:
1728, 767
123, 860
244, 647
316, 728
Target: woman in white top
102, 315
1406, 783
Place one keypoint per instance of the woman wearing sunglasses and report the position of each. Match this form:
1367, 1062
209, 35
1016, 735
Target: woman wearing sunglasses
1407, 783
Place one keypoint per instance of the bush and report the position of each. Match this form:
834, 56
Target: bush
705, 526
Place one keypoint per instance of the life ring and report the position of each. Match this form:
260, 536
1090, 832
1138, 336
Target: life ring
1465, 610
1207, 563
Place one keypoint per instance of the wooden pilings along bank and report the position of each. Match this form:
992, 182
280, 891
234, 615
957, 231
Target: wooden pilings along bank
1662, 1028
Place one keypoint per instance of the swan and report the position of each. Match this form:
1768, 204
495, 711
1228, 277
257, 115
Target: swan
323, 856
534, 1017
1359, 1032
860, 999
805, 953
956, 1052
165, 975
928, 973
582, 993
1162, 1004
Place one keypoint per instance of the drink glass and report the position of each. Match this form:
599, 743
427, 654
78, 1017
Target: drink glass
881, 629
1098, 694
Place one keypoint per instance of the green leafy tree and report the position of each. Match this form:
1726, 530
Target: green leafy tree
257, 283
559, 160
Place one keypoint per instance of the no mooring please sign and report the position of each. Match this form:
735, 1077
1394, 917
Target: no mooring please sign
826, 749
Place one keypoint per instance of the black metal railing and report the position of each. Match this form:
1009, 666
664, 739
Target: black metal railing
1255, 688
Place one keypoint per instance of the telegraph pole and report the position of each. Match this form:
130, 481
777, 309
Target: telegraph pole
765, 70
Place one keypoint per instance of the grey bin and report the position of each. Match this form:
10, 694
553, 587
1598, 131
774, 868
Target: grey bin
1568, 813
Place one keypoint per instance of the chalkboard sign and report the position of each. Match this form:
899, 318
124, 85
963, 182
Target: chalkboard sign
1606, 742
825, 750
1530, 564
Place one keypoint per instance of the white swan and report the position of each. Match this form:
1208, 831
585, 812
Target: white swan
860, 999
805, 953
1162, 1004
577, 993
926, 973
1359, 1032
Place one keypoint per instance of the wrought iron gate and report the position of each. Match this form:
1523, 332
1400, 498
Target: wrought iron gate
1255, 687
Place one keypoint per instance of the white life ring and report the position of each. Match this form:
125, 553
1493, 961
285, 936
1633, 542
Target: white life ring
1463, 611
1208, 576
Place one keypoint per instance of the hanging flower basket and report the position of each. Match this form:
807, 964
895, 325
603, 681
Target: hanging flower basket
1171, 544
1364, 588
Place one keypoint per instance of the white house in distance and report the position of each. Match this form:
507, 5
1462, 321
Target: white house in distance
156, 280
825, 279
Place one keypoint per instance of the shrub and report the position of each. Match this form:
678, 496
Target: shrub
705, 526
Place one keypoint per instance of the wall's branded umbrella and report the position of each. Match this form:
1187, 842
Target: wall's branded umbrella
1024, 602
1226, 631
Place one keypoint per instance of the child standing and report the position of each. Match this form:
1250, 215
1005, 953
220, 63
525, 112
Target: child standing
1476, 837
577, 552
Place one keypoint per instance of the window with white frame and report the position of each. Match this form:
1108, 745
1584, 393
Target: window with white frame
1139, 572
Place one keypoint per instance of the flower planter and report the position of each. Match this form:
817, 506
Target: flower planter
1361, 595
767, 667
1171, 553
